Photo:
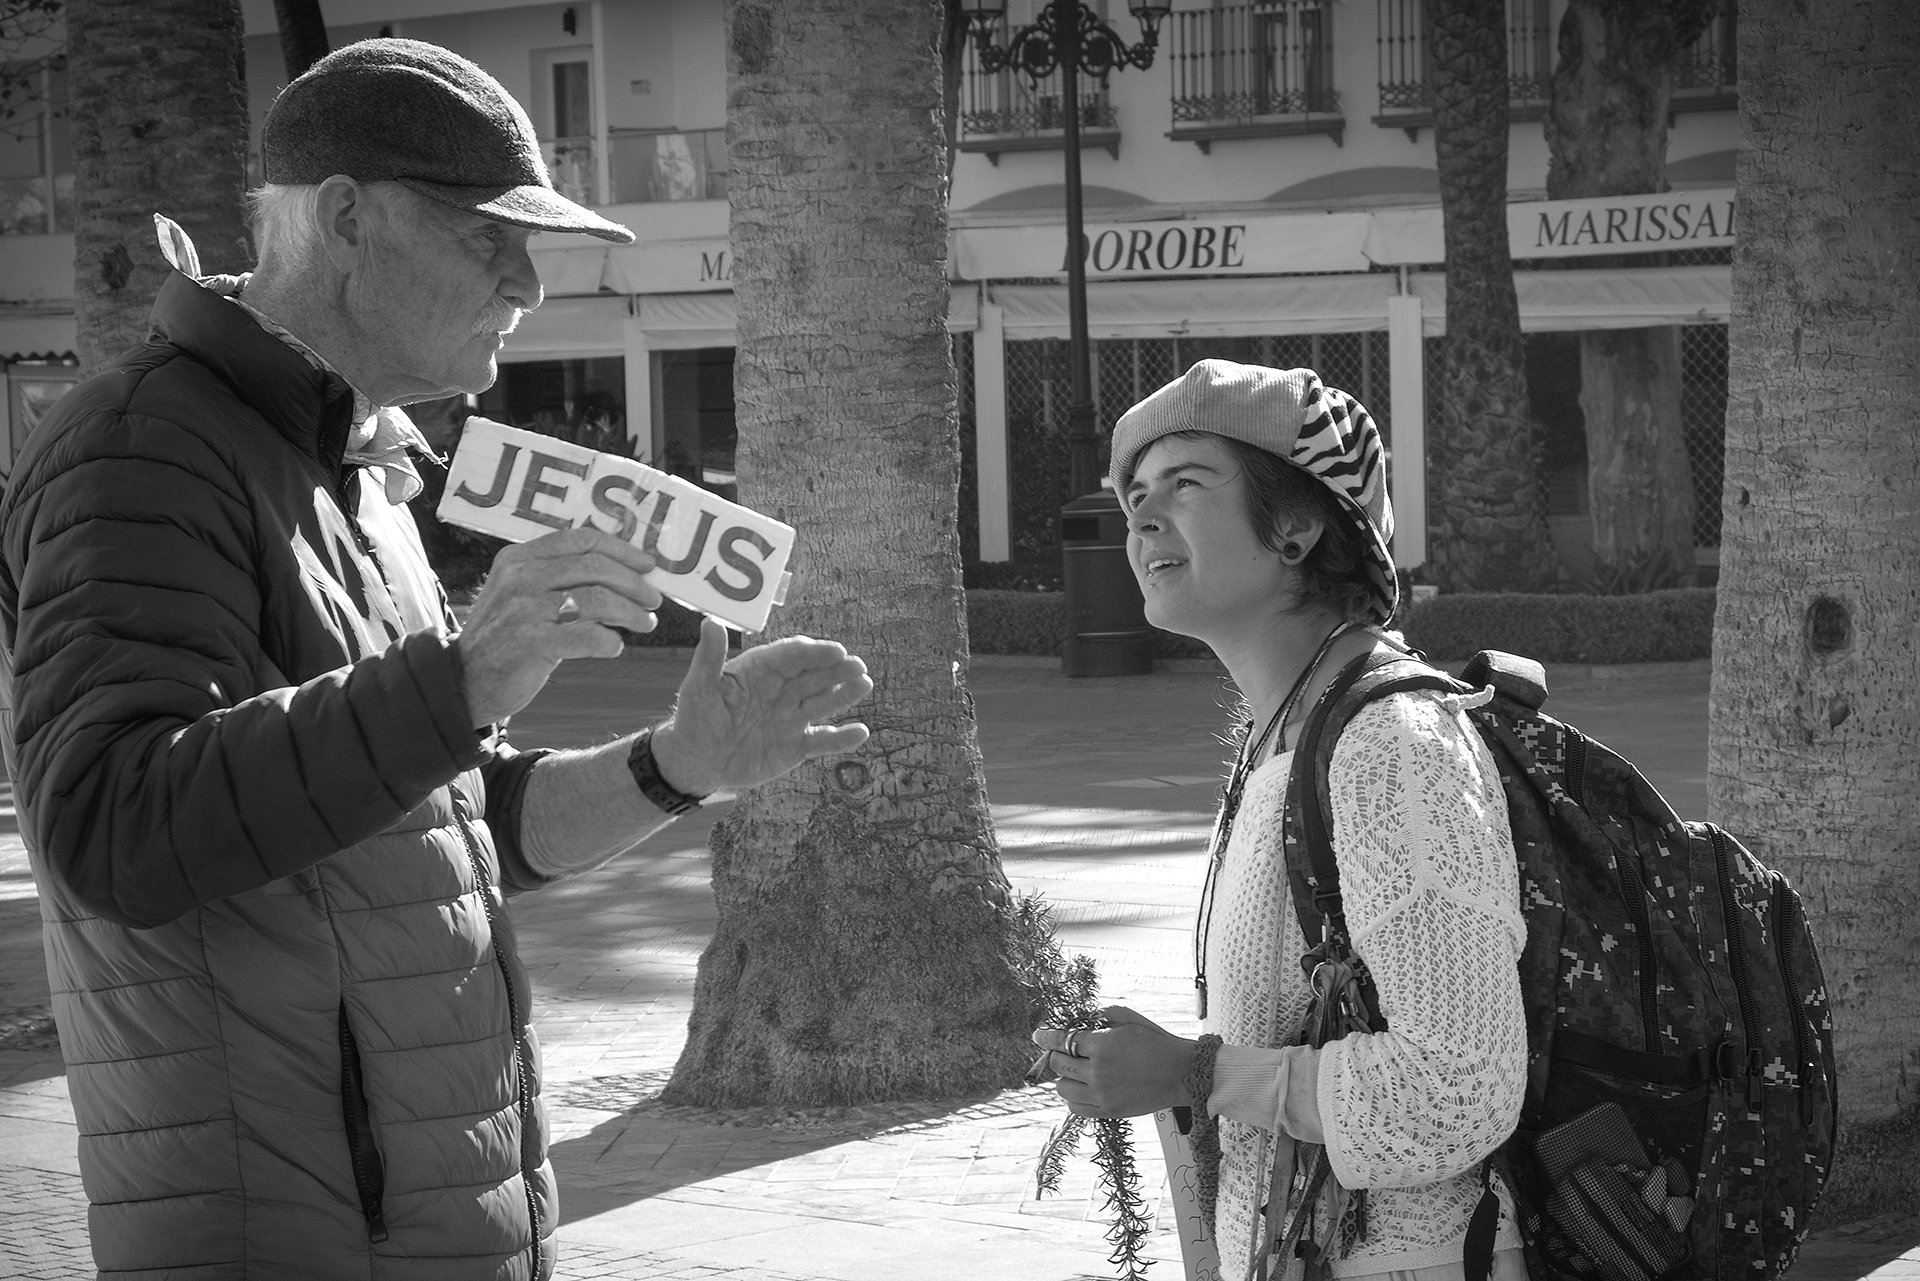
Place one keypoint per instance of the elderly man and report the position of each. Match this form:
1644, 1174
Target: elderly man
271, 818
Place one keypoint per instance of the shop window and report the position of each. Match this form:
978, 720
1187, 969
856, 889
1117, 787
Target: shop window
584, 401
33, 388
1553, 389
36, 151
696, 432
1125, 371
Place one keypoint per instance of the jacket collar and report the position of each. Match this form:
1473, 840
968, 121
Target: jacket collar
312, 408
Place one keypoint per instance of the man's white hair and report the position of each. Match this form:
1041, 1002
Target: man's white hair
286, 218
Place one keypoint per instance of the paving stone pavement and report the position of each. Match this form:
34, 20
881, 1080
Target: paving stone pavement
1102, 793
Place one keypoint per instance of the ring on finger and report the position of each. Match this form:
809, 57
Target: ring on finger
569, 612
1072, 1046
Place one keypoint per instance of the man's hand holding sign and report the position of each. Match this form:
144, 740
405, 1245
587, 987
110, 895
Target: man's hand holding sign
577, 574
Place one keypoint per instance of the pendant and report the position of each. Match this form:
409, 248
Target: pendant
1200, 998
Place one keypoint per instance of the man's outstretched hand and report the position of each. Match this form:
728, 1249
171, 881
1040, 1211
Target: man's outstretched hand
741, 722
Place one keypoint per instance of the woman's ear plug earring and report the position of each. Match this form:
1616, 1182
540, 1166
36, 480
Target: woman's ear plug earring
1292, 553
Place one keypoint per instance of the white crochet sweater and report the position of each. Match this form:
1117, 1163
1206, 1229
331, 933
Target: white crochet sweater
1431, 890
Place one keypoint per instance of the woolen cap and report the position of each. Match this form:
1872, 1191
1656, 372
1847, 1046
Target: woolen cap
405, 111
1288, 412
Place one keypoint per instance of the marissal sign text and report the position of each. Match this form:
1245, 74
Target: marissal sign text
1621, 224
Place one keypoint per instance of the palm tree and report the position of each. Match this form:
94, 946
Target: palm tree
865, 944
1490, 508
159, 126
303, 35
1814, 725
1606, 130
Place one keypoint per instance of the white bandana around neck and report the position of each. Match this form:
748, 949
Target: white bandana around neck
383, 437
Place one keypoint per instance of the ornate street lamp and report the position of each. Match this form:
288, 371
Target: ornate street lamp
1070, 36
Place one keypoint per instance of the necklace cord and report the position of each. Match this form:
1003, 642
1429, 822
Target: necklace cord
1250, 750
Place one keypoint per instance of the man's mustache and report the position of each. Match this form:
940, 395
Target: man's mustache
500, 316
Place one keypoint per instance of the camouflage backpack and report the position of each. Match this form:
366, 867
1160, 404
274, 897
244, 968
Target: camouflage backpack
1680, 1109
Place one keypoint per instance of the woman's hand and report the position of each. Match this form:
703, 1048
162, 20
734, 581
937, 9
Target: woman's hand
1133, 1068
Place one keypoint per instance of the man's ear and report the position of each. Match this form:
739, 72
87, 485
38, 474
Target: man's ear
346, 218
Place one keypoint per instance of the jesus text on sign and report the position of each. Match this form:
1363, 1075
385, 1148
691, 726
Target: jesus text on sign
710, 555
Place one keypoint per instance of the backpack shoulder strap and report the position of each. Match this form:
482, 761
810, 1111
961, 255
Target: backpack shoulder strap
1313, 873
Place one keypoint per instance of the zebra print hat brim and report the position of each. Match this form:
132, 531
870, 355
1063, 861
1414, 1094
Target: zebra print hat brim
1288, 412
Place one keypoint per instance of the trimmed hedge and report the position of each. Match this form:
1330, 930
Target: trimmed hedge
1656, 627
1000, 622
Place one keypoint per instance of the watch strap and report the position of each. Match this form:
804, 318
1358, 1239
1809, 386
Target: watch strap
646, 775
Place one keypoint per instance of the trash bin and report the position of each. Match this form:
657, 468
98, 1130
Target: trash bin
1107, 632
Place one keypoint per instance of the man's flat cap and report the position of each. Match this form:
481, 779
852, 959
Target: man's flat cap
405, 111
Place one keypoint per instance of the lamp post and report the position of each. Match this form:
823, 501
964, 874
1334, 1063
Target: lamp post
1107, 631
1071, 37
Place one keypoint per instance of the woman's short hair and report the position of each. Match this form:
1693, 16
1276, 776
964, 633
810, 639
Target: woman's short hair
286, 218
1334, 573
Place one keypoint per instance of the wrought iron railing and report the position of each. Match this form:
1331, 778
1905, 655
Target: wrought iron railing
1711, 64
1403, 54
1010, 101
1245, 62
1708, 65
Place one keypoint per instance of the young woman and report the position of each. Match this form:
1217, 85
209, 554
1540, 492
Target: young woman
1259, 523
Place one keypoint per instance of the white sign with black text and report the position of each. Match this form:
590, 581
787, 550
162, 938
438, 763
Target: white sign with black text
710, 555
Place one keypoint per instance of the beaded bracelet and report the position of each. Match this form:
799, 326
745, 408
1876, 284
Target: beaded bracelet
1205, 1136
646, 774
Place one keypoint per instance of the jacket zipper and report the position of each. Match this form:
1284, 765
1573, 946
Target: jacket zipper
1632, 891
520, 1073
1737, 961
368, 1178
1783, 924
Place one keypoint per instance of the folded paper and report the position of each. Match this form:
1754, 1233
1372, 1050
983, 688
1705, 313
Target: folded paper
710, 555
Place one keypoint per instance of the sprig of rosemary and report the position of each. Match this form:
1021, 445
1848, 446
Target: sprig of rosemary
1070, 995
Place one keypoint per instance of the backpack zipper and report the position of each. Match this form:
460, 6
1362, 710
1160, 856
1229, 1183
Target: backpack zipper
1632, 890
1737, 961
1784, 910
1636, 895
520, 1073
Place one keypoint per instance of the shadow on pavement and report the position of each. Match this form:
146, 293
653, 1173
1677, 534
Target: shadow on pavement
652, 1148
1858, 1250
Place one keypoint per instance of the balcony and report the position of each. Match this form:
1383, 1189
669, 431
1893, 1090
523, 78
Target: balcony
1708, 76
1259, 70
644, 166
1008, 110
1703, 80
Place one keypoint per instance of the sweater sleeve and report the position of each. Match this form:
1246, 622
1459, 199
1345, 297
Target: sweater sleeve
154, 777
1431, 888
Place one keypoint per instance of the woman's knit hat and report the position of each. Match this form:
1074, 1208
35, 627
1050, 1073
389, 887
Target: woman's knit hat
1326, 433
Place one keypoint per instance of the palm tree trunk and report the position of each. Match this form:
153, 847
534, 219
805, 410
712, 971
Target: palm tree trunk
1490, 509
1814, 723
1606, 130
159, 126
864, 936
303, 34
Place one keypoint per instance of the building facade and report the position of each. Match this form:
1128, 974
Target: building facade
1266, 191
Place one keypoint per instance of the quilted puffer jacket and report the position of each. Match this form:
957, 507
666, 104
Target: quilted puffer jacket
271, 851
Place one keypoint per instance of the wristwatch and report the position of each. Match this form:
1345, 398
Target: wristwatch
646, 774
